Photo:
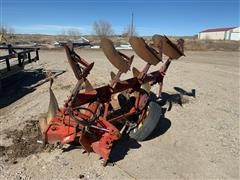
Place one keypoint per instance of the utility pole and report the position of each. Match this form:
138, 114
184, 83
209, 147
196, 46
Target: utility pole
131, 32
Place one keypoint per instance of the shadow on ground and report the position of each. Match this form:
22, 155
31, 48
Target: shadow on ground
121, 148
186, 93
179, 98
126, 143
162, 127
20, 84
15, 87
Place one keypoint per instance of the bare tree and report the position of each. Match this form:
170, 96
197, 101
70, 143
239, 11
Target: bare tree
3, 30
102, 28
7, 33
75, 33
7, 30
129, 31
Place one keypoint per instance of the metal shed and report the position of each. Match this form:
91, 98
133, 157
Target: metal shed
229, 33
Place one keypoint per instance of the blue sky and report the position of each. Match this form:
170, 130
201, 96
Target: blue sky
177, 17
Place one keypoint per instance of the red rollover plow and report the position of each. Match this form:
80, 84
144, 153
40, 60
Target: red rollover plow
97, 117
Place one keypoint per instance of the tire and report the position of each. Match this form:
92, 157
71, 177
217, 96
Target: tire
149, 123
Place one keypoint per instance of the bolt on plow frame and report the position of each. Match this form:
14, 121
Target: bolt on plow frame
97, 117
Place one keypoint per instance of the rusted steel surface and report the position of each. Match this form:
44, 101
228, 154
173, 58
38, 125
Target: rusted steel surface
114, 56
144, 51
89, 117
168, 48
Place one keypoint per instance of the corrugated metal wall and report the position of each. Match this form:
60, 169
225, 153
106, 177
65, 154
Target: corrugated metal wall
233, 34
220, 35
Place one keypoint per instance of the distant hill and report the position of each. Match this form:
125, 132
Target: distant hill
191, 42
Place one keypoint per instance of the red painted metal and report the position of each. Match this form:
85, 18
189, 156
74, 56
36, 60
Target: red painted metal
89, 118
218, 29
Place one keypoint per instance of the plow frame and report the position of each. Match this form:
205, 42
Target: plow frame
89, 117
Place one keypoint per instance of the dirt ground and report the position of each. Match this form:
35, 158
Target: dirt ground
200, 139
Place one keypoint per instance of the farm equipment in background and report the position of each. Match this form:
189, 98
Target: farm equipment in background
97, 117
20, 53
14, 60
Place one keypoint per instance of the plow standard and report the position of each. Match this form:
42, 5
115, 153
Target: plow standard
97, 117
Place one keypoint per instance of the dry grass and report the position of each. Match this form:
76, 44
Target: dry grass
191, 42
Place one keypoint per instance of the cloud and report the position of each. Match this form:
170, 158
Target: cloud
55, 29
50, 29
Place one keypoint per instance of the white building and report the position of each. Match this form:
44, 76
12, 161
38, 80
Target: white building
231, 33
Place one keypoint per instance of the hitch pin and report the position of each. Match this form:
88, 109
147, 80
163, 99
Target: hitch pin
100, 128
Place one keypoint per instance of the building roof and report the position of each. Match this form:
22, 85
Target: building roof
218, 29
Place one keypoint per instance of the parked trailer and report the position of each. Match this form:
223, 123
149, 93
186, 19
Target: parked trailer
15, 59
